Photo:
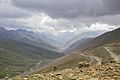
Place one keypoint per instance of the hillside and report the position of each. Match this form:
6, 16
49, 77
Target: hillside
108, 71
77, 43
104, 64
107, 52
105, 38
96, 56
17, 57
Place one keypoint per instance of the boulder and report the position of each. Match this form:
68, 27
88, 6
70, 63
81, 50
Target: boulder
83, 64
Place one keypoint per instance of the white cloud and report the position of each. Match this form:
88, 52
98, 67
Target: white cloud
8, 10
44, 23
101, 27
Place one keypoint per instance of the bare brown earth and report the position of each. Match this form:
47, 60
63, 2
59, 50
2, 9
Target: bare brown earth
109, 71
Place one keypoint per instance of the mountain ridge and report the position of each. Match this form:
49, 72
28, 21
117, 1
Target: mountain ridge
103, 39
28, 37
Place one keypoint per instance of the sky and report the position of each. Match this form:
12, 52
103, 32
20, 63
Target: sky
60, 16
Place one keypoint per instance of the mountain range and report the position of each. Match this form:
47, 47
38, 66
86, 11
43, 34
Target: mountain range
65, 39
32, 52
28, 37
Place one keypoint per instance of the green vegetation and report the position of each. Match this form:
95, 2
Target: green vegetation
2, 75
8, 74
17, 57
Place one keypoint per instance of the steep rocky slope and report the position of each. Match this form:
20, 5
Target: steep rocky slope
109, 71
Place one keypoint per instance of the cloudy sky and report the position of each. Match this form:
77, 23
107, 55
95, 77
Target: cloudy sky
59, 16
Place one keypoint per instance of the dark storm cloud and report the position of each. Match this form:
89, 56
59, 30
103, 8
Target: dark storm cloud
72, 8
13, 14
66, 13
64, 8
112, 7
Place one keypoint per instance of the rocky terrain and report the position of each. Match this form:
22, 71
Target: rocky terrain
108, 71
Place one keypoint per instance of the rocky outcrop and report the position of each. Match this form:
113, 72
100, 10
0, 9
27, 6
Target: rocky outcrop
108, 71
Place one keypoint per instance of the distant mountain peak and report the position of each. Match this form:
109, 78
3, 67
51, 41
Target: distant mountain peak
20, 30
2, 29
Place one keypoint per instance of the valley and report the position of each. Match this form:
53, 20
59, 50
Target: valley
33, 61
103, 60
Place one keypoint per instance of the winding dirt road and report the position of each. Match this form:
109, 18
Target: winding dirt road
113, 55
92, 58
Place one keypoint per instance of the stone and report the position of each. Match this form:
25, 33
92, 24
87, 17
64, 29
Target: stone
83, 64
